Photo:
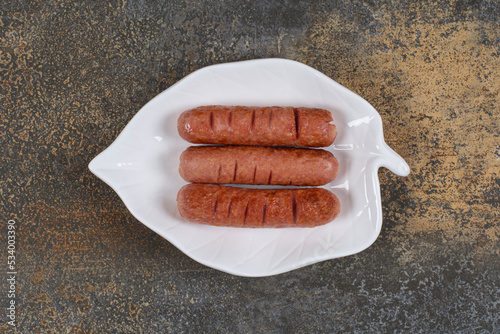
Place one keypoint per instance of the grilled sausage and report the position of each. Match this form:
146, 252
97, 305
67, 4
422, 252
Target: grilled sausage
242, 207
258, 165
263, 126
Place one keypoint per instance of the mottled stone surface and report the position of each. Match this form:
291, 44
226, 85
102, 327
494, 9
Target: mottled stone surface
73, 73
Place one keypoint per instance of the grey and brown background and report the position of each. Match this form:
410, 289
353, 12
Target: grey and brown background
73, 73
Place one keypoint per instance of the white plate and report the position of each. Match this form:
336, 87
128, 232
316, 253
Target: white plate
141, 165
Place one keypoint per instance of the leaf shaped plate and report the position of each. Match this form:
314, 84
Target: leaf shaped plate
141, 165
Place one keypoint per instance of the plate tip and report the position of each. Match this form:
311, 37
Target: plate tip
400, 167
94, 167
397, 166
404, 169
394, 162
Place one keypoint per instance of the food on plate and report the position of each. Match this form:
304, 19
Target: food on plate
242, 207
264, 126
258, 162
258, 165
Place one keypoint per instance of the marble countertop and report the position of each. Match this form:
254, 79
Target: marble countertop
73, 74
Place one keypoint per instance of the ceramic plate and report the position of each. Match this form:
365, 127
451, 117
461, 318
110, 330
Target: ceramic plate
141, 165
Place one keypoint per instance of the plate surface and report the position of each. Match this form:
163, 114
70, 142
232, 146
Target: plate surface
141, 165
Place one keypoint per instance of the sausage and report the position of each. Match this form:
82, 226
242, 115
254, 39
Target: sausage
262, 126
258, 165
242, 207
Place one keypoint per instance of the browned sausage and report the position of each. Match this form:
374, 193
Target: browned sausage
258, 165
264, 126
242, 207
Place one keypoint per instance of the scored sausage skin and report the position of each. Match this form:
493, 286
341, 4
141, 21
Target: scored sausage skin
258, 165
262, 126
242, 207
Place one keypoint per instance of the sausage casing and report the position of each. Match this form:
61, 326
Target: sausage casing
242, 207
258, 165
262, 126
